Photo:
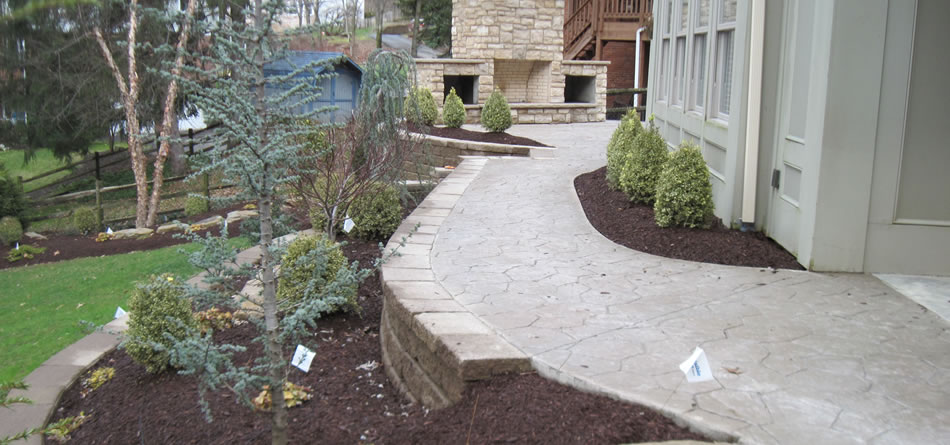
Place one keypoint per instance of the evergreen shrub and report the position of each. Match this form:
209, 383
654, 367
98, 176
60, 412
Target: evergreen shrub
12, 200
683, 192
496, 115
453, 112
309, 266
10, 230
620, 145
642, 167
157, 308
377, 213
420, 107
196, 205
84, 220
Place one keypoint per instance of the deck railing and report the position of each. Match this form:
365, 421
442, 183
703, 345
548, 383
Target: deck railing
579, 21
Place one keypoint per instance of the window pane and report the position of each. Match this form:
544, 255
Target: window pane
684, 15
669, 17
664, 68
702, 16
725, 70
727, 13
699, 70
678, 70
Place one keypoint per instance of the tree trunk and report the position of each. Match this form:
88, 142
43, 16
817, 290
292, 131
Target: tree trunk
272, 347
415, 29
169, 121
379, 23
130, 97
176, 154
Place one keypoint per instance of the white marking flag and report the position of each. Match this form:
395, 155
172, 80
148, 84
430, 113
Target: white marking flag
696, 367
119, 312
302, 358
348, 224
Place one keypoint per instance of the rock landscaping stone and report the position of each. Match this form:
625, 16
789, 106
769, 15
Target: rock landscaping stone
133, 233
207, 223
240, 215
174, 226
34, 236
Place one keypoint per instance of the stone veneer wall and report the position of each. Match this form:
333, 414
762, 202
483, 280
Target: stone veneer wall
508, 29
431, 74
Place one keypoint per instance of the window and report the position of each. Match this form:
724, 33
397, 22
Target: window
663, 71
725, 42
679, 65
697, 79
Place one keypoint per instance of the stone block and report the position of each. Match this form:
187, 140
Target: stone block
133, 233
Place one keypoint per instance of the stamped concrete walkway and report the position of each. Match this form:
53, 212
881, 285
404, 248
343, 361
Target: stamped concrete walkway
798, 357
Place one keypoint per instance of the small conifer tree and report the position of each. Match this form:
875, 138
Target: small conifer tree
683, 192
453, 112
258, 142
496, 115
620, 145
641, 169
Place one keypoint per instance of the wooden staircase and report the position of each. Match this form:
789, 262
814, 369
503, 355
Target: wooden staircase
588, 23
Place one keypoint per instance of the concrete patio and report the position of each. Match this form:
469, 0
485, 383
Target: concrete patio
798, 357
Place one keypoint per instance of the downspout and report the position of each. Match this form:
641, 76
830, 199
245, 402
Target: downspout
636, 69
753, 115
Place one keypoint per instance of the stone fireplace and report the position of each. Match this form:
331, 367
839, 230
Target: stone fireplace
516, 46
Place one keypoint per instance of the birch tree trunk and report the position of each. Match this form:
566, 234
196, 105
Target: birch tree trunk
169, 120
130, 97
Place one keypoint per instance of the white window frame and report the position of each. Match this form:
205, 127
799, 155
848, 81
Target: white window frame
665, 68
680, 59
699, 75
715, 93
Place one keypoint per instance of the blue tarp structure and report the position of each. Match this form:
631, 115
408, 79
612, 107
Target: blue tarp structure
340, 91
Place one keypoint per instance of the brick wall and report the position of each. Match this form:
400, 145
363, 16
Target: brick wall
622, 57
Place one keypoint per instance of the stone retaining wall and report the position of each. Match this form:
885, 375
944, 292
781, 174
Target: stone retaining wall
432, 346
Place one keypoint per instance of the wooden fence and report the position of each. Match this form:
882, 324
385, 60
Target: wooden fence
634, 91
94, 166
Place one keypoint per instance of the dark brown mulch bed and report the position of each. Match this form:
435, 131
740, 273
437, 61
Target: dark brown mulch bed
354, 406
477, 136
66, 247
633, 226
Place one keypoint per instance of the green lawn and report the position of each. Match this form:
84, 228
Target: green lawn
42, 305
44, 161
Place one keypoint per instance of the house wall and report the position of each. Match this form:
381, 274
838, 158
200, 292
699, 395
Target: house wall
720, 134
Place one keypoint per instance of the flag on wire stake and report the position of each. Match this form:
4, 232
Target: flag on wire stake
696, 367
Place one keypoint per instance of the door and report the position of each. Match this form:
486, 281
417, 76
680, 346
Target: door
784, 211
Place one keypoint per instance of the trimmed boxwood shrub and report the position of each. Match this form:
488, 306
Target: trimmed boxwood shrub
196, 205
12, 200
377, 213
312, 262
157, 308
683, 192
10, 230
496, 115
620, 145
642, 167
420, 107
453, 112
84, 220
